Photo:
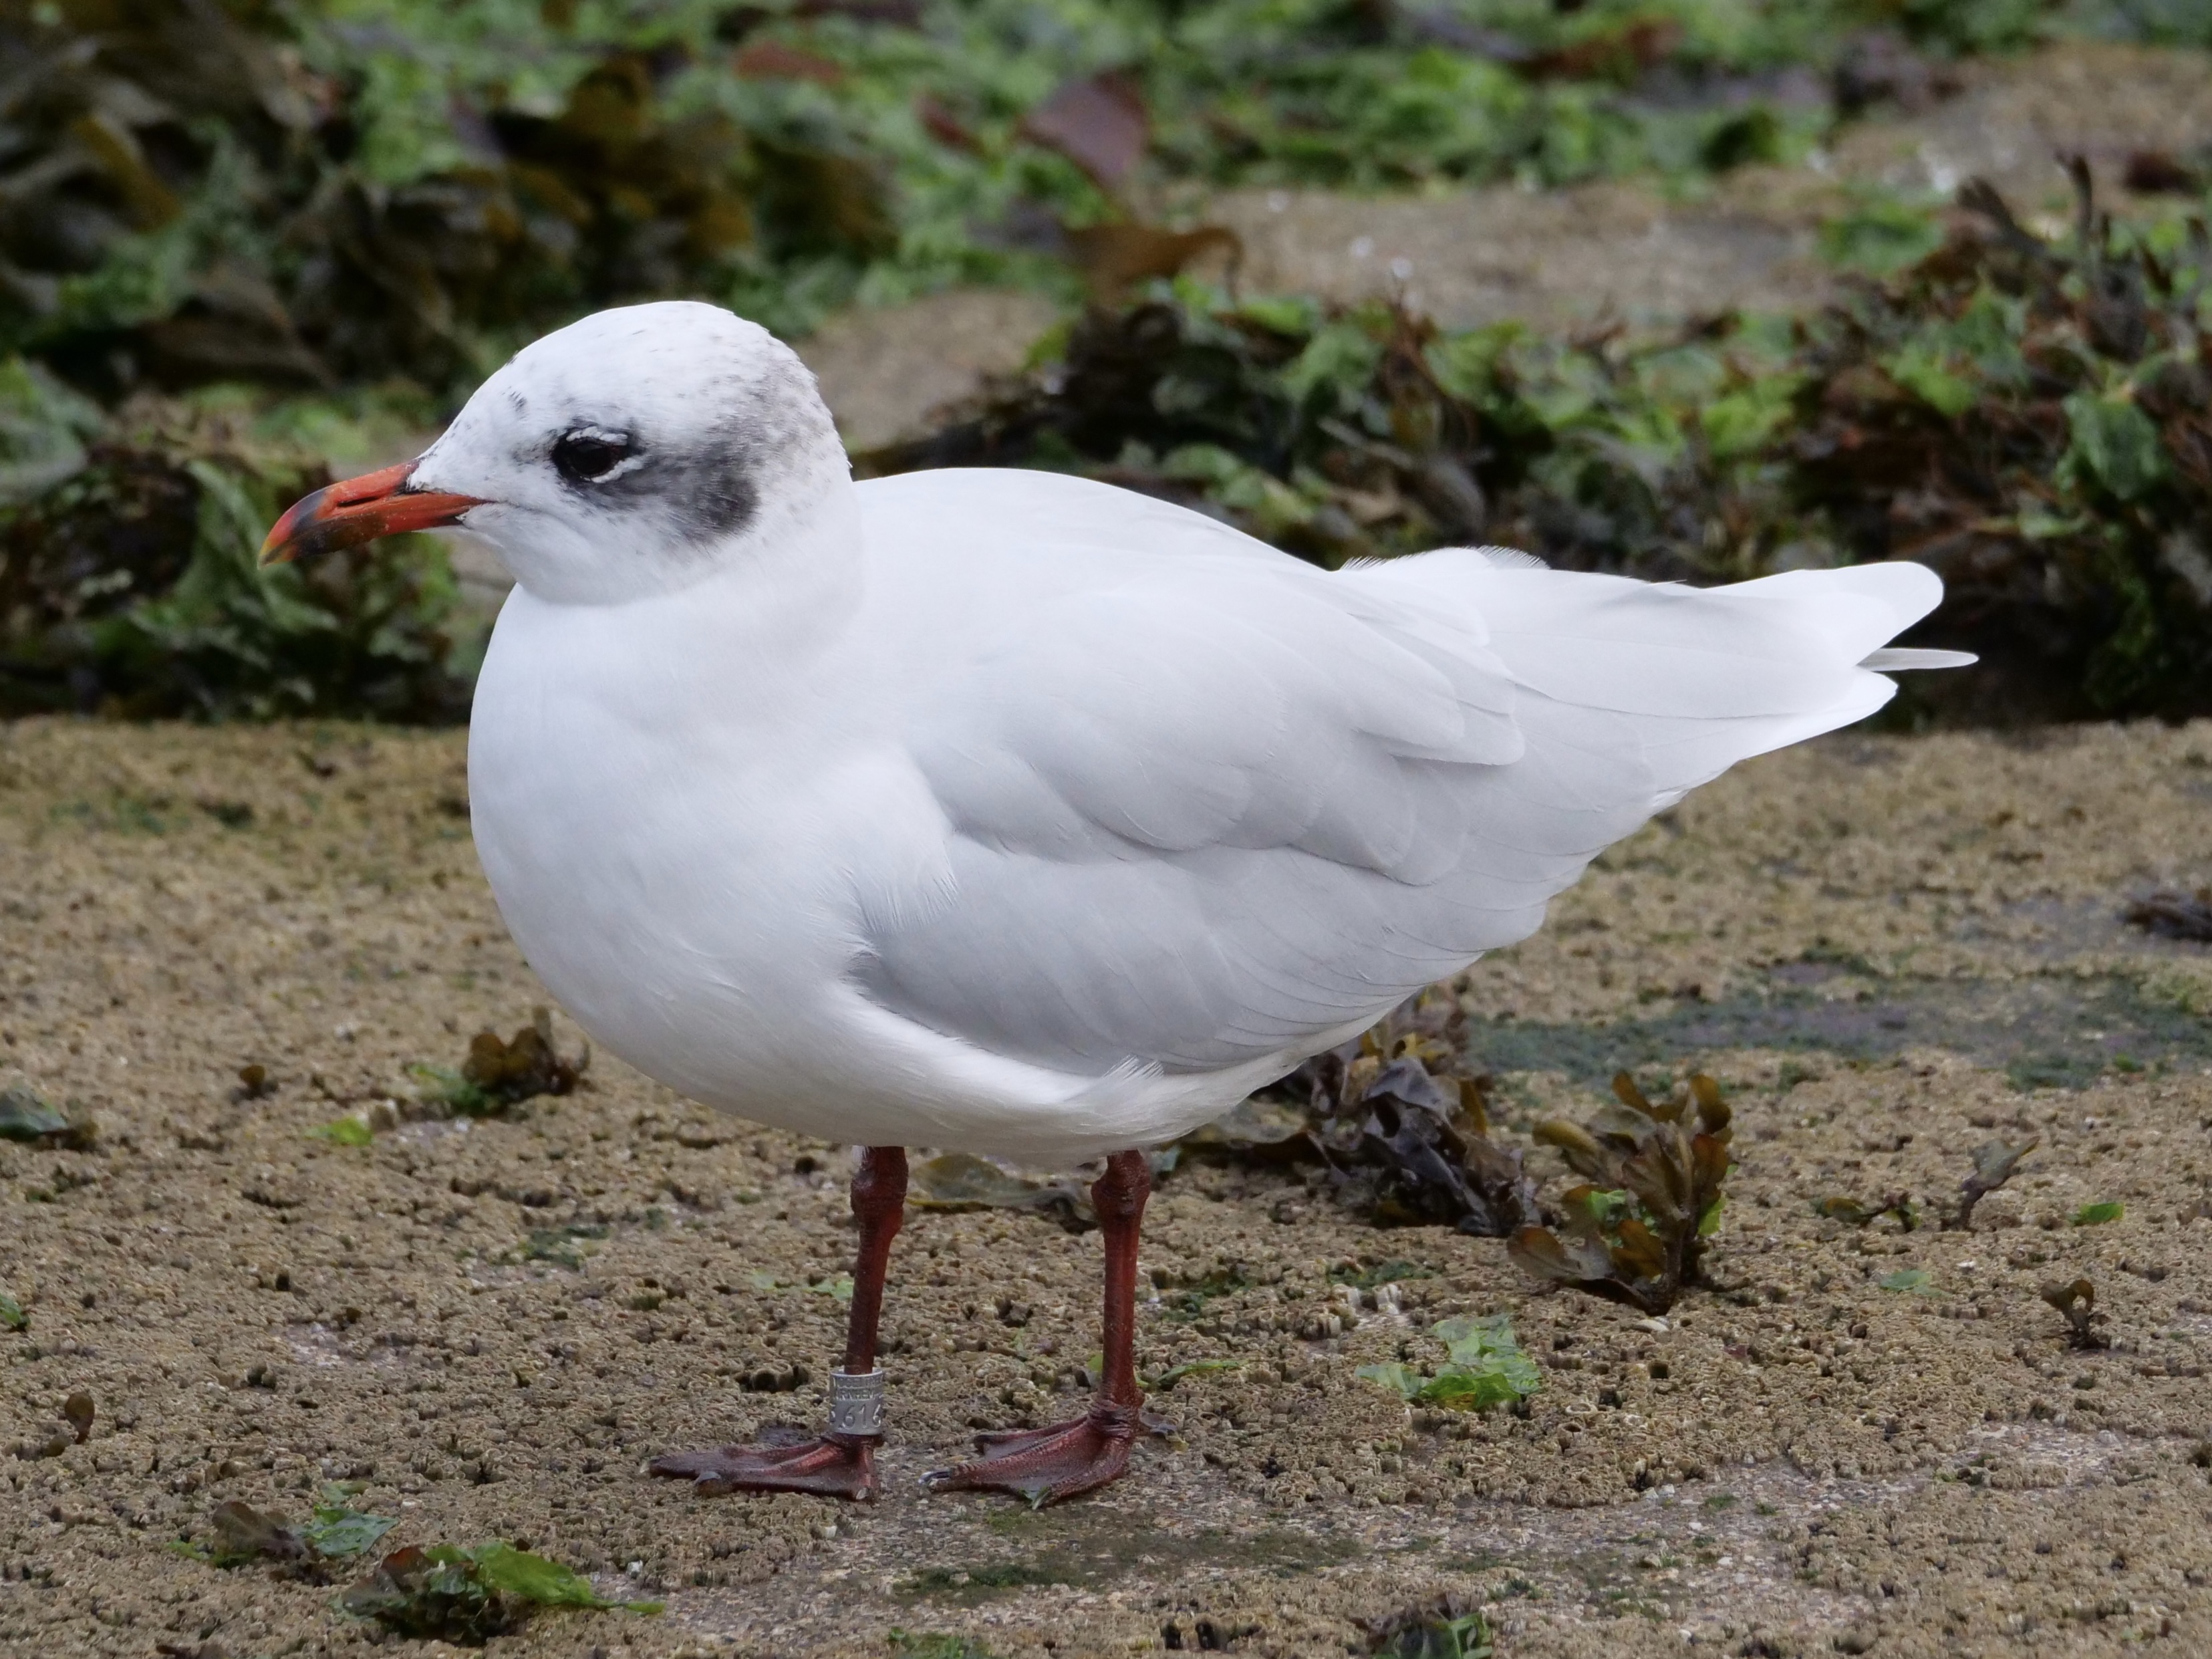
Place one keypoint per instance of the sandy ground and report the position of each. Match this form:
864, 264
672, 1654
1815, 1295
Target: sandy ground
1888, 949
1562, 258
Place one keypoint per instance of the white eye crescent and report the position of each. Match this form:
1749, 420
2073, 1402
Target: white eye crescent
595, 455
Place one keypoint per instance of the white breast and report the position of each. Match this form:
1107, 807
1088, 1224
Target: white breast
692, 818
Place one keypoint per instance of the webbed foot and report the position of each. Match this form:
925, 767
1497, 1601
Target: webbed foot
782, 1460
1043, 1466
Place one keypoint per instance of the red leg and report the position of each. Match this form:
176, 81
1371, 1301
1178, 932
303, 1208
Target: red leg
839, 1464
1046, 1464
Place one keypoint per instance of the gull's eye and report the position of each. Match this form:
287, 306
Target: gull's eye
591, 455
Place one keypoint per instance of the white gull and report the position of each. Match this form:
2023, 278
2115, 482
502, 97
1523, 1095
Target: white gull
1012, 812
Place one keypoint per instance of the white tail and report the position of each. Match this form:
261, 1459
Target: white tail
1708, 676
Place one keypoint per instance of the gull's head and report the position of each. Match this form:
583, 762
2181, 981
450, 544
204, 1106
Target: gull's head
631, 453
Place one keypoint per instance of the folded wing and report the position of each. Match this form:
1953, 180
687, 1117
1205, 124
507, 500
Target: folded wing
1210, 808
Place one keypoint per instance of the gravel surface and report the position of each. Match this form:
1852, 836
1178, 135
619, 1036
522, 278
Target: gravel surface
1889, 950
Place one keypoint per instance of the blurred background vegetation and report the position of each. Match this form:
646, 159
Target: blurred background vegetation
249, 245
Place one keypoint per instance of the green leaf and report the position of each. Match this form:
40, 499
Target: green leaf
1472, 1337
2039, 526
1912, 1279
1486, 1368
1466, 365
533, 1579
1467, 1637
429, 1593
1880, 236
43, 428
1175, 1374
1206, 463
2095, 1215
1925, 371
1341, 355
1516, 1371
2116, 442
1461, 1390
338, 1532
1708, 1219
443, 1086
1604, 1208
1401, 1380
25, 1117
1273, 504
12, 1316
1741, 422
1286, 315
343, 1132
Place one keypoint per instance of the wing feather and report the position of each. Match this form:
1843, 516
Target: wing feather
1207, 805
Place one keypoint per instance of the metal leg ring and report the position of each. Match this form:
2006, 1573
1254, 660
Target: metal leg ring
856, 1403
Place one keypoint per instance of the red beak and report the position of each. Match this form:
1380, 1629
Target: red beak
358, 510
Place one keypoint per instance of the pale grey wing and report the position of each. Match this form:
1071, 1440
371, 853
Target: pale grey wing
1203, 815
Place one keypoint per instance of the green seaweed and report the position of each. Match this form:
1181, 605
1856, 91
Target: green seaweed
1484, 1366
2025, 413
1635, 1230
469, 1594
29, 1117
500, 1075
334, 1532
329, 191
1444, 1629
338, 1532
204, 306
1163, 1381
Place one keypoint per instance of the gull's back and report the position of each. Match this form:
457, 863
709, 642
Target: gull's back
1207, 809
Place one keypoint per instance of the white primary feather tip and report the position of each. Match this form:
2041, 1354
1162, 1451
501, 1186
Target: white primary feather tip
1897, 658
1512, 558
